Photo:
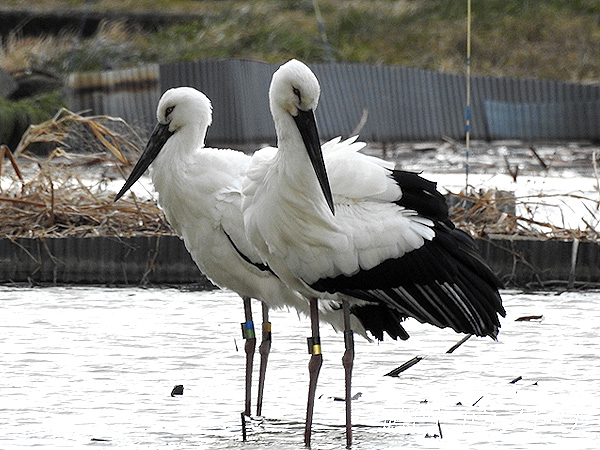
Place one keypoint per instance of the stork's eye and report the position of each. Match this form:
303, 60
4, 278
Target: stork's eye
297, 94
168, 111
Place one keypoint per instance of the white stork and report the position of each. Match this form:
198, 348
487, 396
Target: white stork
199, 190
346, 224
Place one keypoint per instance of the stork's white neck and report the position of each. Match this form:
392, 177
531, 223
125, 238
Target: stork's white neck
294, 170
169, 169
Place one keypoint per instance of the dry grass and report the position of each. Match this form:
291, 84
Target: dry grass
19, 53
114, 41
64, 194
499, 213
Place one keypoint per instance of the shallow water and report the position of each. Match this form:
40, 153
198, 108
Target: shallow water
94, 367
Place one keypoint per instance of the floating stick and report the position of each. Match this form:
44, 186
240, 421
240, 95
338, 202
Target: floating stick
528, 318
408, 364
459, 343
516, 379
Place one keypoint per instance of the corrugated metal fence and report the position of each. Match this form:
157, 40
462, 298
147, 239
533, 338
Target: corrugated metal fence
164, 260
130, 93
395, 103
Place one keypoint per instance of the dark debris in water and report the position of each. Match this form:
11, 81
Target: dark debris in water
177, 390
519, 378
436, 435
342, 399
427, 435
408, 364
529, 318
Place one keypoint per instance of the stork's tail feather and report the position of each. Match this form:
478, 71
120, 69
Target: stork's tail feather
378, 318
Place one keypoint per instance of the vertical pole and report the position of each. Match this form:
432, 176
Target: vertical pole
468, 102
573, 271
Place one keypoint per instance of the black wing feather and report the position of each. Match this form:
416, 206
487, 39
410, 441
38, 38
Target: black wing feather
421, 195
445, 282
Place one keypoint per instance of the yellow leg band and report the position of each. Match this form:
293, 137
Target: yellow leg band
314, 345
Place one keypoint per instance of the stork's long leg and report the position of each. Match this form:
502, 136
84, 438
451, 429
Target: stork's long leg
250, 348
314, 366
348, 363
264, 350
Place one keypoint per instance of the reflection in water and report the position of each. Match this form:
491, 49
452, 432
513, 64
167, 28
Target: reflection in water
96, 366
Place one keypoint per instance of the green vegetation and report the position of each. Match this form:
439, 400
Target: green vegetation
551, 39
16, 116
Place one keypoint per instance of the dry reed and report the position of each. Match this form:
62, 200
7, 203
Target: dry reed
499, 213
65, 193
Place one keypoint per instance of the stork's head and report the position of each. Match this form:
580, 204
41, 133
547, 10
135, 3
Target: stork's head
183, 106
178, 108
294, 88
295, 92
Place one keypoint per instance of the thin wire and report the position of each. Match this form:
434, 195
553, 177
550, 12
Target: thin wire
468, 102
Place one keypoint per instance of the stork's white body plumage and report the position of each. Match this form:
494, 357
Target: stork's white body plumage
314, 244
287, 218
384, 221
199, 189
390, 241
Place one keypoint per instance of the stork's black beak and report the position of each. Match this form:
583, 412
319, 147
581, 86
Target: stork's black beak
305, 121
158, 138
